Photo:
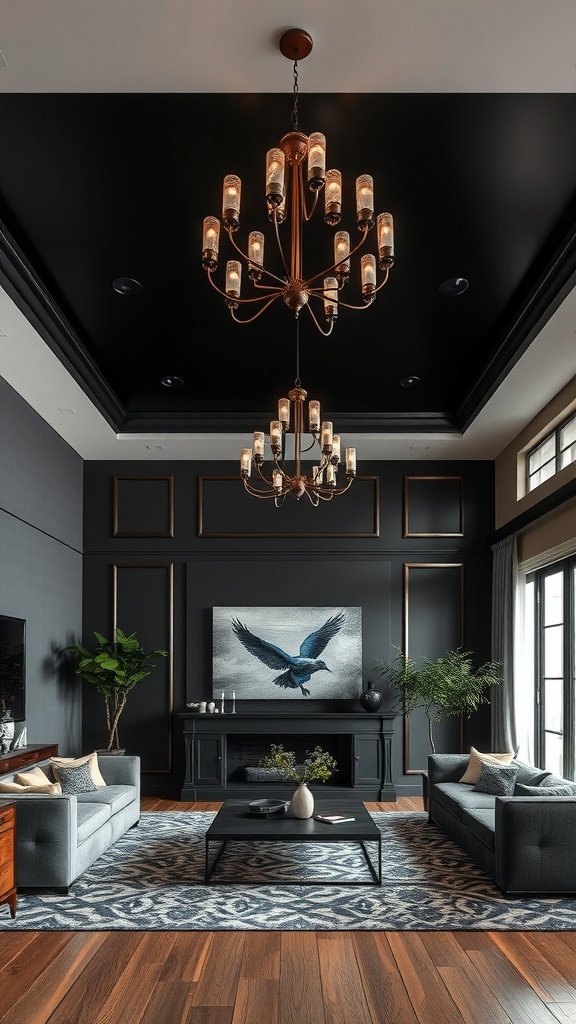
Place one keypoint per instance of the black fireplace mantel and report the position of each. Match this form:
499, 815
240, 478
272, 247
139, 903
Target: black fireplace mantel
220, 746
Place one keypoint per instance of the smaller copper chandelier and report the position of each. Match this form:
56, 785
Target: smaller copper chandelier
285, 195
321, 483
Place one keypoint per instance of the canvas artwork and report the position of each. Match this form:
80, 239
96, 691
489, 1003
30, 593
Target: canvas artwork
287, 653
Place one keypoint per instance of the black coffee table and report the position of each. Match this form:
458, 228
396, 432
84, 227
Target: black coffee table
234, 823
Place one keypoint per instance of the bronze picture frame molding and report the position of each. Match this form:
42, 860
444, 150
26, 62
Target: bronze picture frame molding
405, 647
405, 510
170, 630
169, 534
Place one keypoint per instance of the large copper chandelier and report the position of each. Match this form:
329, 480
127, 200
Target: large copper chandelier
286, 200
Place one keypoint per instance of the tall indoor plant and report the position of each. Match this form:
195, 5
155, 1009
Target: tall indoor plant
448, 685
114, 667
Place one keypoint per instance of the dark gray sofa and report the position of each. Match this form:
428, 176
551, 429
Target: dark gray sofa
59, 836
525, 843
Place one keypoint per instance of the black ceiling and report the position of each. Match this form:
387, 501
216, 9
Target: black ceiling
94, 187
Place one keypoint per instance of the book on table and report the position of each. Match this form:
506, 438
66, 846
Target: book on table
333, 819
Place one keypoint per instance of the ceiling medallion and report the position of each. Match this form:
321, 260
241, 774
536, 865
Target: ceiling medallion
286, 200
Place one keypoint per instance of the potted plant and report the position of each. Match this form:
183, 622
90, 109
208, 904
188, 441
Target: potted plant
114, 667
318, 766
448, 685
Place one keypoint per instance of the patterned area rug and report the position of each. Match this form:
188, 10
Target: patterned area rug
152, 878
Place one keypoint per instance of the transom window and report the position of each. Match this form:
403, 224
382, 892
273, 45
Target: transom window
557, 450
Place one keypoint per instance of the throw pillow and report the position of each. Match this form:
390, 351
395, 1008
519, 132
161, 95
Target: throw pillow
34, 777
76, 779
52, 788
544, 791
90, 759
528, 775
472, 773
555, 780
497, 779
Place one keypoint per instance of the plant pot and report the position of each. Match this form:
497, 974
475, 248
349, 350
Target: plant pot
119, 750
302, 802
370, 698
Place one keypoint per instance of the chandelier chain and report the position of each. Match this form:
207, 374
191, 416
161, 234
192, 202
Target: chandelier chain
297, 382
295, 107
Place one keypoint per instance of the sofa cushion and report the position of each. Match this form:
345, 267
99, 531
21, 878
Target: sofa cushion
498, 779
51, 788
90, 817
472, 773
115, 797
544, 791
76, 779
90, 759
481, 823
455, 798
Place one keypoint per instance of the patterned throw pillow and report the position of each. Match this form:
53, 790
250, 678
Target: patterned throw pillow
472, 773
76, 779
90, 759
544, 791
499, 780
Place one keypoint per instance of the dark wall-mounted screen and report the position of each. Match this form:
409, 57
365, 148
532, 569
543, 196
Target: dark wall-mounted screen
12, 667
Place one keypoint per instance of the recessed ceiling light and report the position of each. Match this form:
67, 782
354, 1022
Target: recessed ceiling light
170, 381
126, 286
453, 286
155, 447
410, 381
2, 333
420, 447
67, 412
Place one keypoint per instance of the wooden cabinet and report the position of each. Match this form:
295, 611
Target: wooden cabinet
219, 748
16, 760
7, 848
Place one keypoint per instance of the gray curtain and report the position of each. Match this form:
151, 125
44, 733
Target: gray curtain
504, 576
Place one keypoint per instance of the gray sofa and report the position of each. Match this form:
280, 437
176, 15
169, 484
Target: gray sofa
525, 843
58, 837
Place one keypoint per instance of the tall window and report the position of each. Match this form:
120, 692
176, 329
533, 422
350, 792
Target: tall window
557, 450
550, 603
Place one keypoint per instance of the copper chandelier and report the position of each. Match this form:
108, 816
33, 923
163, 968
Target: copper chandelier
286, 198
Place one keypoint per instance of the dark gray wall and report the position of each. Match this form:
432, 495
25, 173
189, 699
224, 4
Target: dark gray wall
41, 563
163, 573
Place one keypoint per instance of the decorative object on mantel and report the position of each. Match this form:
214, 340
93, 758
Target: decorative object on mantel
318, 766
6, 732
448, 685
114, 667
289, 203
282, 650
370, 698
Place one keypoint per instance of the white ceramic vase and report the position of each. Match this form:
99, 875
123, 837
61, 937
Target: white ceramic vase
302, 803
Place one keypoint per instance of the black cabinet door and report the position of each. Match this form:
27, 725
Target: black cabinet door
209, 764
367, 760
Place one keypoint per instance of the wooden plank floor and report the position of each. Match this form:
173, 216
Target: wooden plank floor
287, 977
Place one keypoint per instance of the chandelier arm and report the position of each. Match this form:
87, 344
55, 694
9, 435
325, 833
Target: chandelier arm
262, 477
336, 490
251, 319
308, 214
260, 494
257, 298
279, 243
321, 329
324, 273
310, 446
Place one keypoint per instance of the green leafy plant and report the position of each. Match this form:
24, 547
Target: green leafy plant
318, 765
448, 685
114, 667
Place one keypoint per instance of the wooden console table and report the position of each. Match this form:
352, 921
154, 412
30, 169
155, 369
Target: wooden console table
14, 760
220, 747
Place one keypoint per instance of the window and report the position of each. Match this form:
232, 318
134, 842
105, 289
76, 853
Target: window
557, 450
550, 616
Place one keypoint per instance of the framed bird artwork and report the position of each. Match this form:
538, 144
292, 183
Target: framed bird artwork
287, 653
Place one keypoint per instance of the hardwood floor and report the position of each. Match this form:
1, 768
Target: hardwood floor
287, 977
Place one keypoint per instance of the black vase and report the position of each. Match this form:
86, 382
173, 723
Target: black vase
370, 699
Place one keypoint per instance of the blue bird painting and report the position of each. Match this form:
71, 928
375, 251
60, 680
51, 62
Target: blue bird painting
295, 669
